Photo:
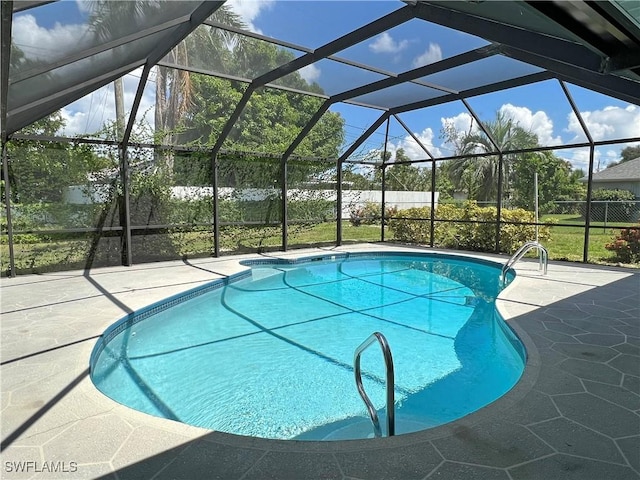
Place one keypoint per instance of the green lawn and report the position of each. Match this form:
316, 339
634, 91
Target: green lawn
66, 254
566, 243
298, 235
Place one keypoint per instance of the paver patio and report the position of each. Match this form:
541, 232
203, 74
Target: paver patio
575, 414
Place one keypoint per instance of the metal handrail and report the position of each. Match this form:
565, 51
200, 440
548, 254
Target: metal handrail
388, 361
543, 260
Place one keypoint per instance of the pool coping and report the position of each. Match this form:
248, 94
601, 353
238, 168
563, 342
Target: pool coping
516, 393
414, 455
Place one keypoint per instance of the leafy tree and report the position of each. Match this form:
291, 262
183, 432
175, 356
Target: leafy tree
443, 183
40, 171
576, 175
357, 180
403, 176
271, 119
626, 154
270, 122
407, 177
555, 181
630, 153
193, 108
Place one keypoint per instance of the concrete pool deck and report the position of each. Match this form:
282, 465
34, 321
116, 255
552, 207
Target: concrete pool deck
575, 414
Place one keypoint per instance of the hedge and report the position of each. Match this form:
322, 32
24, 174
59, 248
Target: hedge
469, 227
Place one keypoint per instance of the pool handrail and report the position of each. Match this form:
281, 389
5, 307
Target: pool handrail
543, 260
388, 360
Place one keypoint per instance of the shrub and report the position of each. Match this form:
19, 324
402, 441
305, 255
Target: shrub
190, 211
626, 245
149, 199
469, 227
513, 236
36, 217
411, 225
369, 214
313, 210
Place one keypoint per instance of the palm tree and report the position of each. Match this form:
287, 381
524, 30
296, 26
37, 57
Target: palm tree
479, 175
109, 20
205, 45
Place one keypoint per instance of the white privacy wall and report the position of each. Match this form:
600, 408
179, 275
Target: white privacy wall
350, 198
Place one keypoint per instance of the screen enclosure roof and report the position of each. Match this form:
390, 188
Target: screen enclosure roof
492, 46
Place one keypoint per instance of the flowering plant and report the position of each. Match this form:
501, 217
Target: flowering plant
626, 245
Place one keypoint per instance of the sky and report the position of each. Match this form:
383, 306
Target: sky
542, 108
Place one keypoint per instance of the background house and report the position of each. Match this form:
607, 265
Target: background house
624, 176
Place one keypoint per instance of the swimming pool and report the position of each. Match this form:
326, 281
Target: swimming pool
269, 352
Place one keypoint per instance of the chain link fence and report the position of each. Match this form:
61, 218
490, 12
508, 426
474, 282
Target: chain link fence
605, 212
614, 213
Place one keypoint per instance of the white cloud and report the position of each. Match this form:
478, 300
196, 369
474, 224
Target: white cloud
608, 123
574, 127
605, 124
90, 113
602, 156
37, 42
84, 6
310, 73
411, 147
249, 10
463, 123
430, 55
610, 156
538, 123
579, 158
385, 43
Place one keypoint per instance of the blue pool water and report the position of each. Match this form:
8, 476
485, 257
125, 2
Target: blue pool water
270, 353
